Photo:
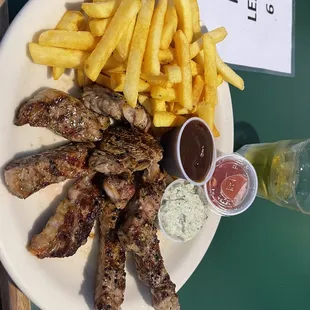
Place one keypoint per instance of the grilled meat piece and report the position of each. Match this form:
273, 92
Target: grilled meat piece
70, 227
27, 175
151, 270
105, 101
111, 274
63, 114
125, 150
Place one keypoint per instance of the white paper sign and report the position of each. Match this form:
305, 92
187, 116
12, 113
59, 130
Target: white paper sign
259, 31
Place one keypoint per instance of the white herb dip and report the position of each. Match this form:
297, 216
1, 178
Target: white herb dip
183, 210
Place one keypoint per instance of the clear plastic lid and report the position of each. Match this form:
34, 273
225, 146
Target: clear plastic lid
233, 186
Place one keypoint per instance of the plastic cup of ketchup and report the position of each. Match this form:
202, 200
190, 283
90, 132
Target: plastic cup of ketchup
189, 151
233, 186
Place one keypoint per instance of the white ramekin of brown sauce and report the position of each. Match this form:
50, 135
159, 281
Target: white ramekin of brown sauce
190, 152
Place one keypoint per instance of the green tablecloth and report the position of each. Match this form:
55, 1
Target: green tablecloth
260, 260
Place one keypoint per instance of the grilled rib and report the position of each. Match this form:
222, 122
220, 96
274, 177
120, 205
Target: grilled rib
105, 101
27, 175
125, 150
110, 287
74, 218
63, 114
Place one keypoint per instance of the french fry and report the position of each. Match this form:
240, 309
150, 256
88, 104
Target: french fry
219, 80
151, 62
166, 94
98, 26
168, 119
137, 50
206, 112
200, 59
170, 26
71, 20
114, 66
158, 105
184, 61
58, 72
173, 73
118, 82
123, 46
218, 34
101, 9
80, 77
166, 56
198, 87
157, 80
196, 68
210, 71
215, 132
228, 74
57, 57
104, 80
147, 104
196, 19
184, 11
76, 40
169, 106
179, 110
125, 13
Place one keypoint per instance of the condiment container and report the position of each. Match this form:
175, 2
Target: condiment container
190, 152
233, 186
183, 215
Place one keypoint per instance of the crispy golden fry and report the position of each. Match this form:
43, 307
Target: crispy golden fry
215, 132
157, 80
168, 119
200, 59
210, 71
137, 50
196, 19
169, 106
101, 9
184, 61
71, 20
98, 26
220, 80
104, 80
56, 56
184, 11
118, 82
114, 66
173, 73
125, 13
218, 34
145, 101
158, 105
58, 72
76, 40
166, 56
170, 26
228, 74
206, 112
179, 110
151, 62
198, 87
80, 77
196, 68
122, 49
166, 94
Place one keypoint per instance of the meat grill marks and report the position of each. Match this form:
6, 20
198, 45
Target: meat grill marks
110, 281
63, 114
105, 101
125, 150
74, 218
138, 234
27, 175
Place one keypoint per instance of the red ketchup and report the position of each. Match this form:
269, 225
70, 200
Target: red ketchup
229, 184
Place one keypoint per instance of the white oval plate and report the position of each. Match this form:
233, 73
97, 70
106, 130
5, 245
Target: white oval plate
67, 283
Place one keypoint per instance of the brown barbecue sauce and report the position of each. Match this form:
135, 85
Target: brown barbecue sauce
196, 150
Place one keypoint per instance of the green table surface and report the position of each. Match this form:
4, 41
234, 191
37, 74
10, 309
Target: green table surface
260, 260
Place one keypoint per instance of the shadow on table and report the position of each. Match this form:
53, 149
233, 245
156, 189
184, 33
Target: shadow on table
244, 134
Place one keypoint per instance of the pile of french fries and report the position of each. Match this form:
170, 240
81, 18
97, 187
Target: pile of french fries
154, 53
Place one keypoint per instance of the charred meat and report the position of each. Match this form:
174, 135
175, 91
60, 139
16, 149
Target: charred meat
110, 282
105, 101
70, 227
63, 114
27, 175
125, 150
